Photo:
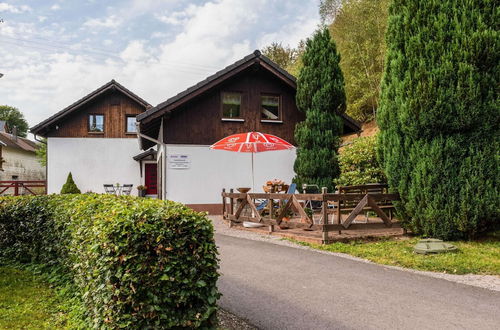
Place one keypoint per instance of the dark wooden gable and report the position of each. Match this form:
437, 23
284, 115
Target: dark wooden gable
113, 105
112, 100
200, 120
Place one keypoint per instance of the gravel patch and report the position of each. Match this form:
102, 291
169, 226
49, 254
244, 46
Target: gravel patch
490, 282
228, 321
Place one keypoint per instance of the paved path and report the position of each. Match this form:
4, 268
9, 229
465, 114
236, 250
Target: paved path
280, 287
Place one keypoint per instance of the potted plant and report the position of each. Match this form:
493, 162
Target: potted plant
142, 190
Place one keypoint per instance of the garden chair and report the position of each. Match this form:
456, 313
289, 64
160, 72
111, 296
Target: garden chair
127, 188
109, 189
291, 190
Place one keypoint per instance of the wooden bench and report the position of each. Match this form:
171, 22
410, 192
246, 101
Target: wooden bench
349, 205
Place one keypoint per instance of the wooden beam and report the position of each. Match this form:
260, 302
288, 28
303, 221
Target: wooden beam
379, 212
358, 209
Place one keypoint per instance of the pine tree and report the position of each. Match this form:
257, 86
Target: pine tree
70, 186
320, 94
439, 113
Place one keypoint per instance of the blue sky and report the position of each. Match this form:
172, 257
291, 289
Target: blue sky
54, 52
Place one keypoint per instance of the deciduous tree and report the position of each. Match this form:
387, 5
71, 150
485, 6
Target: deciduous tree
13, 117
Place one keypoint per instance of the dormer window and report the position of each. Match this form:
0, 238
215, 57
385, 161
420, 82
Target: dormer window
231, 105
96, 123
270, 108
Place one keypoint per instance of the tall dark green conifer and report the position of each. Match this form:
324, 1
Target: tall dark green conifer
439, 115
320, 94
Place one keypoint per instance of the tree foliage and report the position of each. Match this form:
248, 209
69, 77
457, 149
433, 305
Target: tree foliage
320, 94
359, 32
70, 186
328, 10
41, 152
13, 117
359, 163
286, 57
439, 115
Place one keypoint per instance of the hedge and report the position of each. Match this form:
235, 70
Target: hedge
134, 262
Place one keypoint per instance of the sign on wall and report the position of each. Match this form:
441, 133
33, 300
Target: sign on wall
179, 161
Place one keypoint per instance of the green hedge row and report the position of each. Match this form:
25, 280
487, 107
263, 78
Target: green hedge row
135, 263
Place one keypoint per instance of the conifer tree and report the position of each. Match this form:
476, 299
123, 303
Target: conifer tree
439, 115
70, 186
320, 94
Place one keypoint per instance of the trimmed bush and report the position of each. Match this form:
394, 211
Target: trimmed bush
359, 164
70, 186
135, 263
439, 115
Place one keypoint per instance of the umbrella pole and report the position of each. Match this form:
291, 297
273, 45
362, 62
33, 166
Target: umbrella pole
253, 178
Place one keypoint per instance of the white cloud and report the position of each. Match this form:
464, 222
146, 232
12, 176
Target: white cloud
5, 7
55, 7
108, 22
156, 65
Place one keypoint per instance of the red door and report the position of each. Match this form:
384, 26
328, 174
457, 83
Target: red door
150, 179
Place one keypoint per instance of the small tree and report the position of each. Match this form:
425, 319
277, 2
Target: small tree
320, 94
70, 186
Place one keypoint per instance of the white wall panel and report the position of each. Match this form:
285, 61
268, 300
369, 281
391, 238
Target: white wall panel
93, 162
212, 170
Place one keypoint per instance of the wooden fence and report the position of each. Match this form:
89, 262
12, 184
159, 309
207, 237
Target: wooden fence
17, 187
315, 211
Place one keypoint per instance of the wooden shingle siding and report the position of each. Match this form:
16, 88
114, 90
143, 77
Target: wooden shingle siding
113, 105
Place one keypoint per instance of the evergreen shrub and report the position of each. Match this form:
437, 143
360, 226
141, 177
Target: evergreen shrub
439, 115
135, 263
321, 96
70, 186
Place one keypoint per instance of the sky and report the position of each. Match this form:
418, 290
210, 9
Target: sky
53, 52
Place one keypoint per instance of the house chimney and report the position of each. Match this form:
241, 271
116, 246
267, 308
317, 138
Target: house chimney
14, 133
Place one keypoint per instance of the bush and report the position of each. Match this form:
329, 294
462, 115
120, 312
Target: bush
359, 164
438, 115
135, 263
70, 186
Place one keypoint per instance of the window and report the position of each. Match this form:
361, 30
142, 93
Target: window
270, 107
130, 128
231, 105
96, 123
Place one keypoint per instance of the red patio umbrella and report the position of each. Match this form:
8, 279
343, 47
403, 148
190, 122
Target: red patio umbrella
252, 142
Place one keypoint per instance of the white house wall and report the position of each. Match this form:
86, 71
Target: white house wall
93, 162
22, 164
211, 170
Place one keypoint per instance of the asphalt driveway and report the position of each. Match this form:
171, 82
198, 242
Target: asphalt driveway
281, 287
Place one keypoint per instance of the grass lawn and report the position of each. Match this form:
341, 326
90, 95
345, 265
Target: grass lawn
475, 257
26, 302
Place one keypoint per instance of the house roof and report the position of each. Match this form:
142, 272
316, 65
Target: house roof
110, 86
7, 140
236, 67
256, 57
145, 154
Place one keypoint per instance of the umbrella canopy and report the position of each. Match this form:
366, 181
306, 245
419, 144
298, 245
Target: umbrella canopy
252, 142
